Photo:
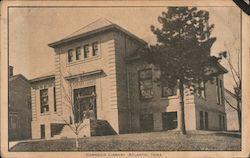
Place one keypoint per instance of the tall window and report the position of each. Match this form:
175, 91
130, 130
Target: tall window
201, 120
204, 120
219, 91
70, 55
78, 53
86, 51
54, 89
44, 100
84, 103
95, 48
145, 84
223, 123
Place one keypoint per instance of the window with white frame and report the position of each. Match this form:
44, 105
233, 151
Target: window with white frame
145, 84
70, 55
78, 53
44, 100
95, 48
86, 51
219, 90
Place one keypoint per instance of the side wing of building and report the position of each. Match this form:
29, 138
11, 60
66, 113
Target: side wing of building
154, 107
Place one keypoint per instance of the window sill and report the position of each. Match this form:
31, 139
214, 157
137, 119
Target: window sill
76, 62
45, 113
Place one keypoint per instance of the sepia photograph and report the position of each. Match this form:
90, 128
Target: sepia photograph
124, 78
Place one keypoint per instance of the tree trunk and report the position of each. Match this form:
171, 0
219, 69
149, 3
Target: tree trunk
182, 112
239, 113
77, 143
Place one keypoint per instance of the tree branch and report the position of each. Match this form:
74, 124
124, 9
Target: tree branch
231, 105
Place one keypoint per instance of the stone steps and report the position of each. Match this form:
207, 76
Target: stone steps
67, 132
91, 128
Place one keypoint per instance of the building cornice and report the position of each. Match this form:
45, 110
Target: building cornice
42, 78
96, 72
100, 30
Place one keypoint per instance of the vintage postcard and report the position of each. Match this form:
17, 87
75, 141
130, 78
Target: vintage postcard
124, 79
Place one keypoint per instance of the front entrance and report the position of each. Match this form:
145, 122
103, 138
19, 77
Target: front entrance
85, 104
146, 122
169, 120
42, 128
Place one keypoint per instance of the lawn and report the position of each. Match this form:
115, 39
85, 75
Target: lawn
155, 141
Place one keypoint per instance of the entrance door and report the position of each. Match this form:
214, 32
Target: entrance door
85, 104
146, 122
169, 120
42, 131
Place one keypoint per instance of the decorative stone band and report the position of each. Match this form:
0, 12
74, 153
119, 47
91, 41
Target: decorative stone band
86, 74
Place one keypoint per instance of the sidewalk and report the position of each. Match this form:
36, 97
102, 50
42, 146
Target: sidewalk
221, 133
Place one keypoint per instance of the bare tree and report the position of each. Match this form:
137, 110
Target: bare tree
77, 118
232, 58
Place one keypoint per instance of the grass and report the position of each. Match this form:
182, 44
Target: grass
156, 141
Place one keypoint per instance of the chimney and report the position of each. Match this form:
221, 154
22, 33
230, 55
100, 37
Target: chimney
10, 70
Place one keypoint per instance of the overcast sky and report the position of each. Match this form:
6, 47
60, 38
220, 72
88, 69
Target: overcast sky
32, 29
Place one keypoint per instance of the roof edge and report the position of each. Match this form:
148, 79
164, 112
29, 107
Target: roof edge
222, 68
38, 79
95, 72
113, 26
130, 34
19, 75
